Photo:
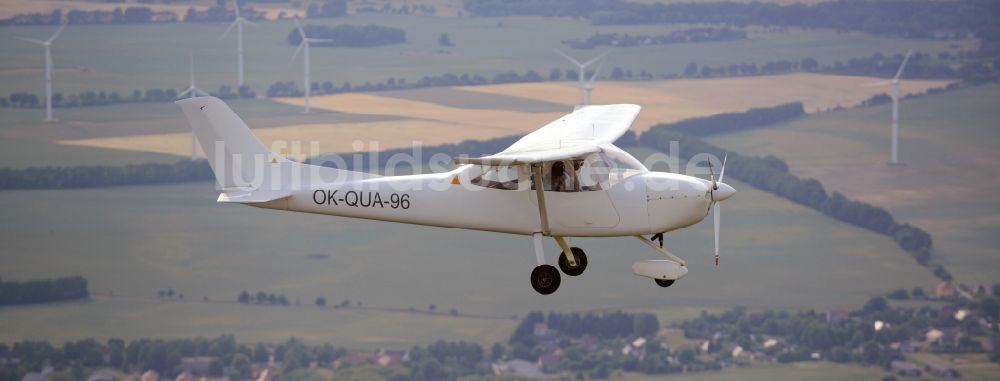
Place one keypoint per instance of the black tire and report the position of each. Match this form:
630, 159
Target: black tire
581, 262
664, 282
545, 279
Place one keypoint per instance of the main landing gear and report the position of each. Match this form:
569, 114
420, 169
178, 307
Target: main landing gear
545, 278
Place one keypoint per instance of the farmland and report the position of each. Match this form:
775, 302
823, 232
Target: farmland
947, 142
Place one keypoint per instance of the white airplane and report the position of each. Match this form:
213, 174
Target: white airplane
590, 188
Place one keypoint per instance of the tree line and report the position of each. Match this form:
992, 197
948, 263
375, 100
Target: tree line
43, 291
103, 176
703, 34
103, 98
131, 15
906, 18
290, 89
354, 36
771, 174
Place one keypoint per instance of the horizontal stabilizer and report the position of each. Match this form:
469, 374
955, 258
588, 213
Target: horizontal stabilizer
252, 197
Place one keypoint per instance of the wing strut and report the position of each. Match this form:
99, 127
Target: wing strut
536, 172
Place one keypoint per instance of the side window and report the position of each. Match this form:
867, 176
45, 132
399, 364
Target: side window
506, 178
577, 175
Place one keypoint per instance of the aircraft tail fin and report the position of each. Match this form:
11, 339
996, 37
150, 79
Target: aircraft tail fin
241, 163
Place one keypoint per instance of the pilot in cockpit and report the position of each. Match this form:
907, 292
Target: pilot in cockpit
563, 180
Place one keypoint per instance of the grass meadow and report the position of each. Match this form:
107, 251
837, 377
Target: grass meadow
948, 146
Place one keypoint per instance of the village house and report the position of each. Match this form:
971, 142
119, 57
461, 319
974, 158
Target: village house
944, 290
386, 357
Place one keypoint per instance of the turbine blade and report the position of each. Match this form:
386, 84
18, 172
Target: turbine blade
571, 59
297, 50
320, 40
231, 26
298, 25
56, 34
185, 92
237, 8
602, 55
35, 40
903, 65
596, 72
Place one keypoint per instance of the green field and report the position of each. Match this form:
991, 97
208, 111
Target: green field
135, 241
947, 141
123, 58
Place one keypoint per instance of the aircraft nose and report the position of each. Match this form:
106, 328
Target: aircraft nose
724, 192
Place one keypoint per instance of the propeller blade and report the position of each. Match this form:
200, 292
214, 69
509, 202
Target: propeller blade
711, 174
56, 34
297, 50
722, 172
715, 218
571, 59
35, 40
230, 28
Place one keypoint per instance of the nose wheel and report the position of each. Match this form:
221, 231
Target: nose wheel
545, 279
579, 262
664, 282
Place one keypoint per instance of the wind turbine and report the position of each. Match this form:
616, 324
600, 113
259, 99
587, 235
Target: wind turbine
48, 69
586, 86
238, 24
304, 47
192, 91
894, 157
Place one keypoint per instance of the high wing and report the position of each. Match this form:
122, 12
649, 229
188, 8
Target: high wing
577, 134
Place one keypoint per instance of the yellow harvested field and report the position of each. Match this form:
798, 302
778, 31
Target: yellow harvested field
475, 119
673, 100
433, 124
341, 137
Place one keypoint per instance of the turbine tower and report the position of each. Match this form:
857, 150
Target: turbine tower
586, 87
895, 109
192, 91
894, 82
238, 24
304, 47
48, 69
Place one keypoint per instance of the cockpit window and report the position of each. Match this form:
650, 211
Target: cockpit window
621, 160
498, 178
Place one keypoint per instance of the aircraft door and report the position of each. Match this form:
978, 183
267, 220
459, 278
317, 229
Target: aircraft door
576, 194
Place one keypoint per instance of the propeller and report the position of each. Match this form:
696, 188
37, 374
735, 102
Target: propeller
719, 192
